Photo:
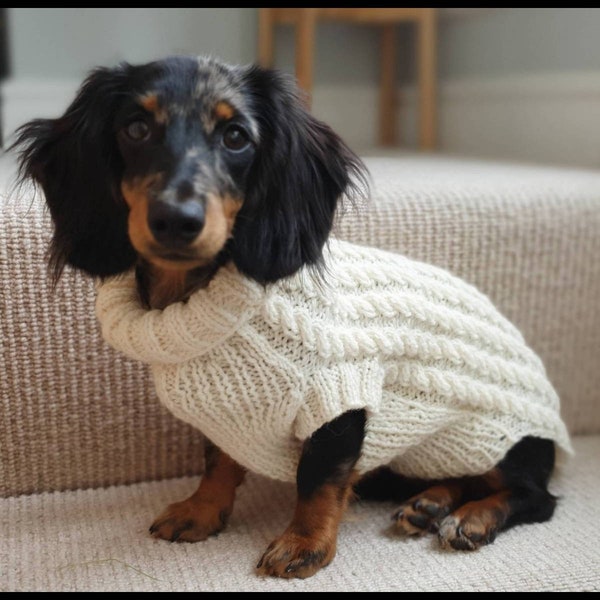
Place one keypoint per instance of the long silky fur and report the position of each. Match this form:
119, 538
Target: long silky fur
300, 172
75, 161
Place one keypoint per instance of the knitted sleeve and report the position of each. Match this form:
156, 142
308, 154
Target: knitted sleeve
181, 331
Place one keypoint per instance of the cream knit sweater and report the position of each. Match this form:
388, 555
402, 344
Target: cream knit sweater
448, 383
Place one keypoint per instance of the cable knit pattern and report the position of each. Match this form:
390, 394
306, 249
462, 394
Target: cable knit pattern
449, 384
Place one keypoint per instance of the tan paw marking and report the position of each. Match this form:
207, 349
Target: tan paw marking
419, 515
189, 521
468, 533
292, 555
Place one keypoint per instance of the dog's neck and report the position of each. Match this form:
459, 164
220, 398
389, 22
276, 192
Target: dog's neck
158, 287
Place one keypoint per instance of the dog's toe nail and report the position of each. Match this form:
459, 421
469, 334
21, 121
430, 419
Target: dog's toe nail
420, 521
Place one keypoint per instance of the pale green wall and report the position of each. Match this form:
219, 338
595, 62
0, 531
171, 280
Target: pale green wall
511, 41
66, 42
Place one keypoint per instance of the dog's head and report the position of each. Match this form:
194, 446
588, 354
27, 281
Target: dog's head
185, 160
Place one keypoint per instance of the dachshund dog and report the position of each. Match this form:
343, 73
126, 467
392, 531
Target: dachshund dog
178, 167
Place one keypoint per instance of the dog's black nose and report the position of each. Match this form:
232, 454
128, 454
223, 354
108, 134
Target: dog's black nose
175, 224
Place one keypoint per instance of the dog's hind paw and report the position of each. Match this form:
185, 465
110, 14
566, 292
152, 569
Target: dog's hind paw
423, 513
466, 531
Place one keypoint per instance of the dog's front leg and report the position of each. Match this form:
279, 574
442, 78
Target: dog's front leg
207, 510
324, 484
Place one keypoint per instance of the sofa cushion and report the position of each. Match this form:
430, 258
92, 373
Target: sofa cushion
75, 414
98, 540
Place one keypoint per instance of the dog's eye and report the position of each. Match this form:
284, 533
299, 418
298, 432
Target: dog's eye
138, 131
235, 138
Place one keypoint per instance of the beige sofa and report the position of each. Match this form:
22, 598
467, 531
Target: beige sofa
88, 456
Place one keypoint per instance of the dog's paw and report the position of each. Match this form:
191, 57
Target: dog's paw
293, 555
466, 532
190, 521
420, 514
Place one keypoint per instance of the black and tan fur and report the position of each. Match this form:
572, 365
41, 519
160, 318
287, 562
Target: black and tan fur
178, 166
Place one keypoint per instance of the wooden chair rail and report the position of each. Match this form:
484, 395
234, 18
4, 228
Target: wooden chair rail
305, 21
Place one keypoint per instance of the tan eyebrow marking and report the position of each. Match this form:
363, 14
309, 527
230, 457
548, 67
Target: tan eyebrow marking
223, 111
151, 103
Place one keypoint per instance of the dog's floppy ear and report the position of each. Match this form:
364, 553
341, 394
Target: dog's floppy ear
74, 159
300, 171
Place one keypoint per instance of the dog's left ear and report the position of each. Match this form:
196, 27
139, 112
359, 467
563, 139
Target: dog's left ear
74, 159
301, 170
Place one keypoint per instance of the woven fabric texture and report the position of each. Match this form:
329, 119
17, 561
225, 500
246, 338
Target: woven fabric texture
98, 540
76, 414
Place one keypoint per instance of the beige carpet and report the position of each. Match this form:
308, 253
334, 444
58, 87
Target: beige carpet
98, 541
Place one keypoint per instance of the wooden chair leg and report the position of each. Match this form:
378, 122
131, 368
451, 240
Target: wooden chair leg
265, 37
427, 80
305, 47
387, 93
